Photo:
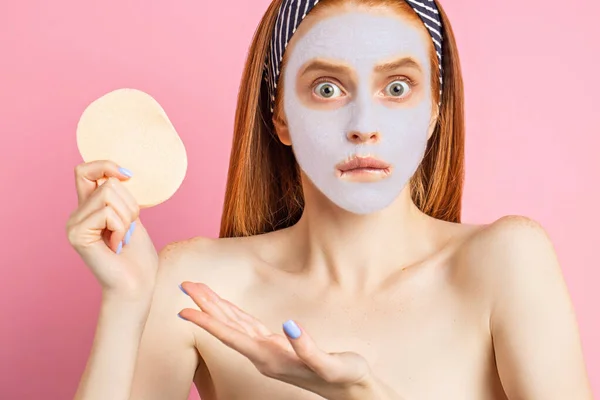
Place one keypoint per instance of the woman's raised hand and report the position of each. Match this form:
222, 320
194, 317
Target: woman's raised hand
106, 232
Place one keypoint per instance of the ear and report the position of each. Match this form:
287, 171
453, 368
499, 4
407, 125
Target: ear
434, 120
282, 130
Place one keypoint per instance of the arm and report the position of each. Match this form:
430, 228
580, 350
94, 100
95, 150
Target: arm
533, 324
142, 350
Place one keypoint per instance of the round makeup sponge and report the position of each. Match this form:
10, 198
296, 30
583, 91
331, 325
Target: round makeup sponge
129, 127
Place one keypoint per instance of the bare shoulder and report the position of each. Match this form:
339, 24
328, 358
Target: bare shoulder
511, 253
224, 264
174, 253
511, 242
175, 260
176, 256
515, 227
530, 316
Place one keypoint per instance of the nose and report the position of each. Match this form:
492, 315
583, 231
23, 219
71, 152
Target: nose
356, 137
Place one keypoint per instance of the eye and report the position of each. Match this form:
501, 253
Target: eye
398, 88
327, 90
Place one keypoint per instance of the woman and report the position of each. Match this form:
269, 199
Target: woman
342, 219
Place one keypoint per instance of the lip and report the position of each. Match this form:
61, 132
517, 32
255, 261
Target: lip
363, 169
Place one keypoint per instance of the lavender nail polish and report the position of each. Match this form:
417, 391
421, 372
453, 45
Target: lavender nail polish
126, 172
291, 329
129, 233
183, 290
120, 247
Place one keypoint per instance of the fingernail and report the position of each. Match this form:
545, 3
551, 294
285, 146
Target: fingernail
120, 247
183, 290
129, 233
126, 172
291, 329
179, 315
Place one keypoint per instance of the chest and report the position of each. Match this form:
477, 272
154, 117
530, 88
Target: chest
409, 342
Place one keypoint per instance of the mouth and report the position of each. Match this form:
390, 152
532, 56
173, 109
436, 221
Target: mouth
363, 169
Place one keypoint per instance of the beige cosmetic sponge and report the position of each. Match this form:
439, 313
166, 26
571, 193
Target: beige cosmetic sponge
129, 127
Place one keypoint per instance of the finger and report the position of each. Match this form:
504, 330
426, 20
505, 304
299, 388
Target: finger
225, 309
323, 364
208, 303
127, 197
248, 321
107, 195
252, 325
87, 175
130, 202
236, 340
89, 230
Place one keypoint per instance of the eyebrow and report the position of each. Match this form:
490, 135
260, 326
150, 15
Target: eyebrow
397, 64
320, 65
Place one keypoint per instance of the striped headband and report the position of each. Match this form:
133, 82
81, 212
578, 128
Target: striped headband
292, 13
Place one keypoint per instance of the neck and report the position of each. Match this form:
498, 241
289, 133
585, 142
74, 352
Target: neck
357, 252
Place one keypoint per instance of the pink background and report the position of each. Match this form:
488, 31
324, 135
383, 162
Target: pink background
531, 74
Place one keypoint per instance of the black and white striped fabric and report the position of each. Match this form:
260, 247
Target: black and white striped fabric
292, 12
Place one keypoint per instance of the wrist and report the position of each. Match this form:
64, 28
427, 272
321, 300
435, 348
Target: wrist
138, 298
117, 307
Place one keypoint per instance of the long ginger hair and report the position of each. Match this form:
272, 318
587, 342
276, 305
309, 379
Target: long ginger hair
264, 189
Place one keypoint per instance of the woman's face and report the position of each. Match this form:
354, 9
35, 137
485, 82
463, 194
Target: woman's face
357, 85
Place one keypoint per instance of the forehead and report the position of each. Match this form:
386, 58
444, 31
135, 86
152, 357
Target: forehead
359, 36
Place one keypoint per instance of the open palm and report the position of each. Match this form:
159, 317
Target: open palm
293, 358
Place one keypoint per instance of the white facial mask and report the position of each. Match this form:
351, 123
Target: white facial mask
320, 137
